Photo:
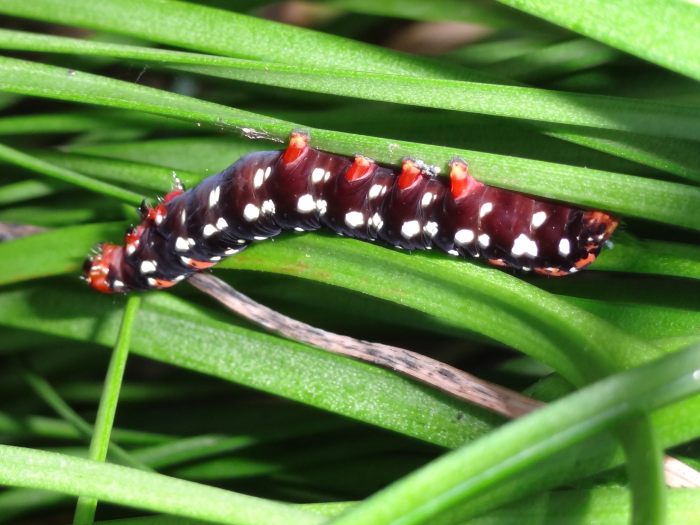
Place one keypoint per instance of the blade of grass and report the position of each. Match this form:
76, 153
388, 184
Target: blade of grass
231, 34
435, 422
631, 25
592, 111
521, 444
662, 201
143, 490
33, 164
86, 507
44, 390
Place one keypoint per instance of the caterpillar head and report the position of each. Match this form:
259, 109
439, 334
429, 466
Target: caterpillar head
102, 269
598, 226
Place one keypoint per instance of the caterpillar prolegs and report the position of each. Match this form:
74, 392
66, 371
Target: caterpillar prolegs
304, 189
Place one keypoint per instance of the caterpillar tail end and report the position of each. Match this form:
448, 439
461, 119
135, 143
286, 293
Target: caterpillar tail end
101, 269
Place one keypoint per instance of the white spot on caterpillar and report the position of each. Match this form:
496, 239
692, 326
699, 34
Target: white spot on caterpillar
178, 278
464, 236
484, 240
214, 196
191, 241
573, 269
306, 204
564, 247
209, 230
377, 221
183, 216
231, 251
428, 197
298, 229
130, 249
221, 223
453, 252
152, 282
410, 229
383, 190
268, 206
321, 206
485, 209
431, 228
251, 212
259, 237
215, 258
523, 245
241, 241
354, 219
268, 170
375, 191
258, 178
148, 267
317, 175
181, 244
117, 284
538, 219
327, 176
525, 268
158, 219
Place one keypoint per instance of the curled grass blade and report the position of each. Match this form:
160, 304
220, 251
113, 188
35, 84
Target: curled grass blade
521, 444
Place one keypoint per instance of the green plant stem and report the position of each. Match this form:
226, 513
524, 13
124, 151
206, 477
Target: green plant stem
85, 508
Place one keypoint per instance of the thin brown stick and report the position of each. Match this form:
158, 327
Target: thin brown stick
419, 367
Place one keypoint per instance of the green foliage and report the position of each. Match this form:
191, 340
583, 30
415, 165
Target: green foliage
192, 397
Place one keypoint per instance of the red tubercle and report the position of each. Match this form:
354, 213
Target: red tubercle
360, 167
410, 173
461, 183
298, 145
172, 194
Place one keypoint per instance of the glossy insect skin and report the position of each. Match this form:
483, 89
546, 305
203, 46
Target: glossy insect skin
304, 189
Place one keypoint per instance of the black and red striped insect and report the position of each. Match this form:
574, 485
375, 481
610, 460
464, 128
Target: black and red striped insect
304, 189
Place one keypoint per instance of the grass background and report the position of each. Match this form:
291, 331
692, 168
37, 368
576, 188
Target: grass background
195, 415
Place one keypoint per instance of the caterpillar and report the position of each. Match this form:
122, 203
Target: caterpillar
304, 189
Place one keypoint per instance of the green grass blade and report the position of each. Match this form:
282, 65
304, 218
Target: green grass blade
590, 111
230, 34
44, 390
86, 507
143, 490
662, 201
32, 163
456, 477
631, 25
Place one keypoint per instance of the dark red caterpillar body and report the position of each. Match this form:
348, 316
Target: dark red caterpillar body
305, 189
